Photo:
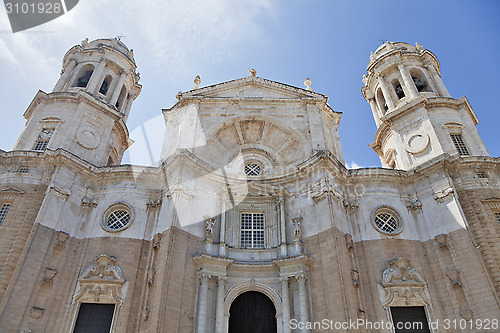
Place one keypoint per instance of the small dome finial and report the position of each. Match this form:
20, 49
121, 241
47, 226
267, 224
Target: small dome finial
253, 72
419, 47
307, 83
197, 81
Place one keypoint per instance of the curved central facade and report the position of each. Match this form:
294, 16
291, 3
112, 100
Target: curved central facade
251, 213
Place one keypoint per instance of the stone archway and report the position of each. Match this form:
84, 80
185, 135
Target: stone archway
252, 312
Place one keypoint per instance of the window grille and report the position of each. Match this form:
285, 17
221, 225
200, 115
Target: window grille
459, 143
497, 215
4, 210
252, 230
253, 169
118, 219
43, 139
387, 223
23, 169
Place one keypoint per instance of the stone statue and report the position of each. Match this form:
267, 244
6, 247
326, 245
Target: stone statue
197, 81
209, 226
307, 83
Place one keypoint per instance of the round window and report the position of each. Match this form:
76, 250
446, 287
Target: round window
117, 218
253, 169
387, 221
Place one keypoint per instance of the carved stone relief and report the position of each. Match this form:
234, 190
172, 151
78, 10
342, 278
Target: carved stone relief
101, 283
403, 286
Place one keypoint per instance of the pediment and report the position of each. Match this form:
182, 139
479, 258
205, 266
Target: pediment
11, 191
252, 88
493, 202
491, 199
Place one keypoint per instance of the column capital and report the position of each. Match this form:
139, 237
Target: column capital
204, 276
284, 278
301, 277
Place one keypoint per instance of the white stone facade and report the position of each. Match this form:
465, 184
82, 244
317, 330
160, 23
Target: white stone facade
168, 245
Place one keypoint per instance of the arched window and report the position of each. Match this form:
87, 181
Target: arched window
398, 88
121, 98
105, 84
84, 76
382, 105
419, 80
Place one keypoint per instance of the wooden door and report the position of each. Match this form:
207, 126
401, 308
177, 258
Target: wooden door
252, 312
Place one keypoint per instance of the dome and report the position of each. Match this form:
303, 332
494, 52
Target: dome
113, 43
391, 46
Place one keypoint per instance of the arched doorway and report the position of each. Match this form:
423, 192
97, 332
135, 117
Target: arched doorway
252, 312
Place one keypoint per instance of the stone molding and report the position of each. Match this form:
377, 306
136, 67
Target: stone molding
59, 192
444, 195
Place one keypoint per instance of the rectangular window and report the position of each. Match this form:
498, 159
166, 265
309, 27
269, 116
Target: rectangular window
23, 169
252, 230
43, 139
3, 212
459, 143
482, 175
409, 319
94, 318
497, 215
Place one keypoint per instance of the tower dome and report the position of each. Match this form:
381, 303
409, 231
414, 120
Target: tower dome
416, 118
106, 69
89, 105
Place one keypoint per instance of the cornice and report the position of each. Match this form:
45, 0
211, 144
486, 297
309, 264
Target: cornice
79, 49
185, 159
428, 103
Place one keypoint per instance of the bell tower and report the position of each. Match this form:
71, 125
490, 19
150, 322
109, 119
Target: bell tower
89, 105
416, 118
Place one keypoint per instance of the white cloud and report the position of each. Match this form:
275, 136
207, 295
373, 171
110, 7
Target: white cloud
170, 38
173, 31
353, 165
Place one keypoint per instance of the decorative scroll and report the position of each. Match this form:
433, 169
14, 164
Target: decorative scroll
403, 285
101, 283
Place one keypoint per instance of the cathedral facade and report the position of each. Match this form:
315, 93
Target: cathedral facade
251, 222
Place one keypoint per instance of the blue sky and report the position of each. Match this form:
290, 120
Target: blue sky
287, 41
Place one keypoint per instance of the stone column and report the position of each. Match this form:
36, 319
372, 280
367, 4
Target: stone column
408, 81
437, 78
285, 304
219, 310
281, 208
304, 313
130, 99
222, 236
375, 111
65, 75
202, 305
118, 89
96, 77
386, 92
